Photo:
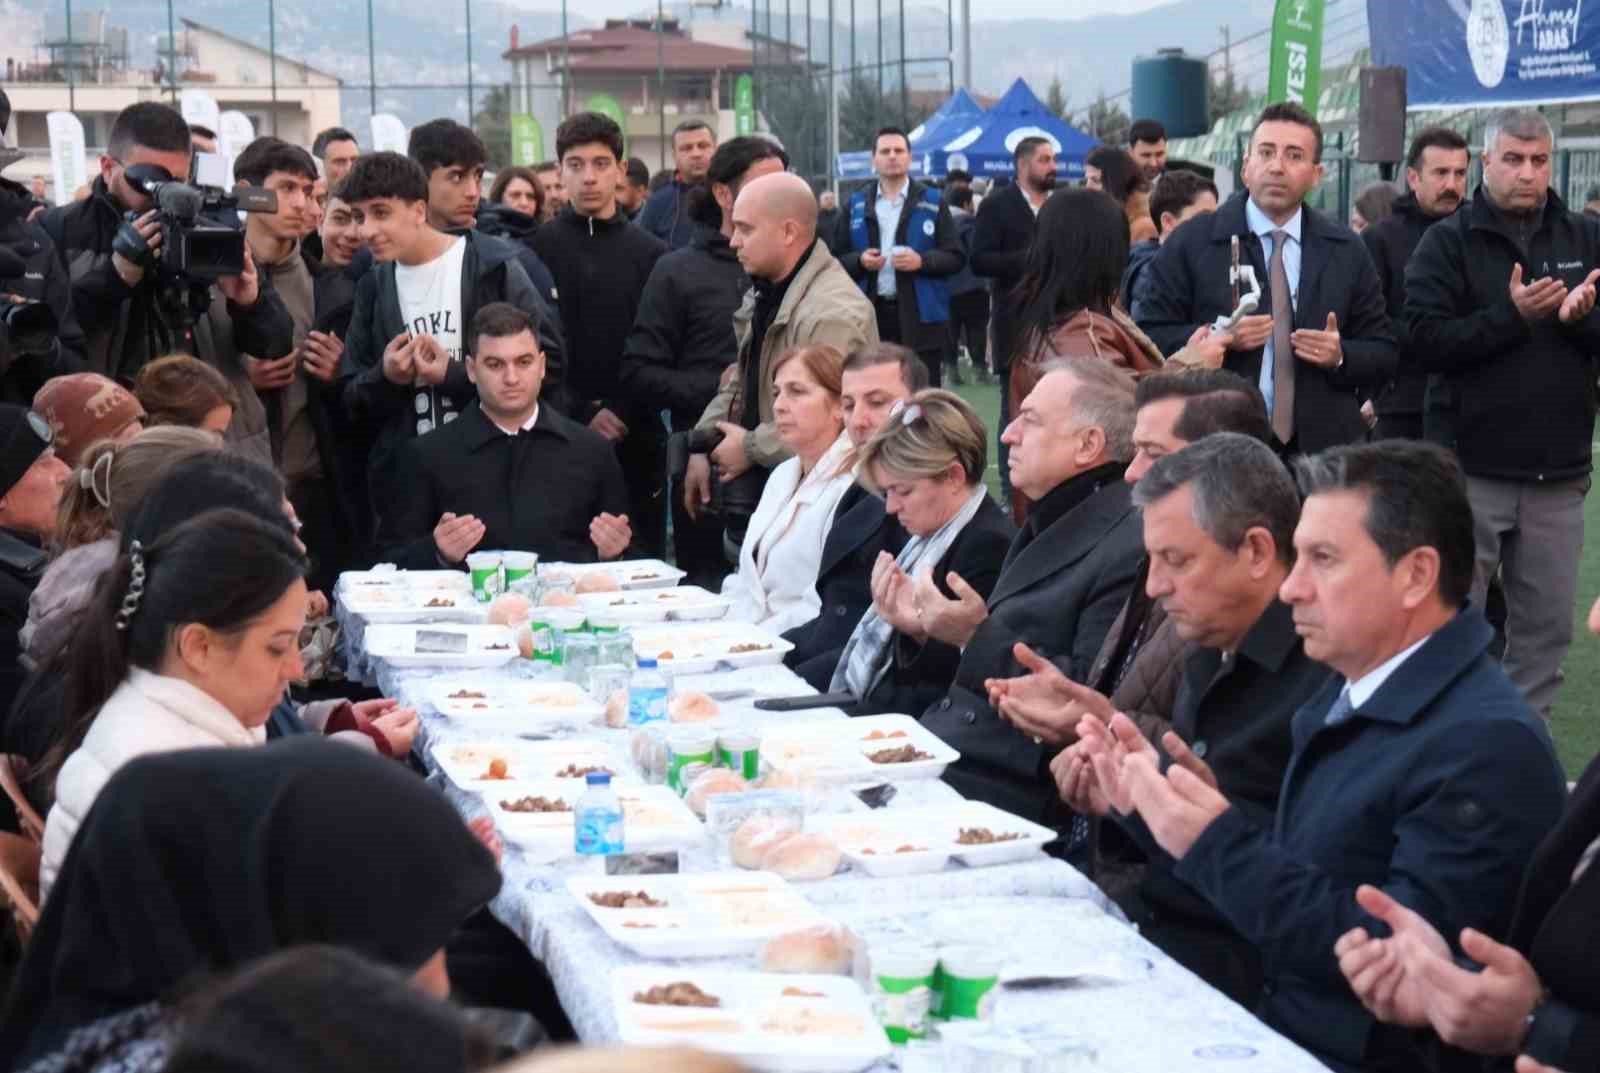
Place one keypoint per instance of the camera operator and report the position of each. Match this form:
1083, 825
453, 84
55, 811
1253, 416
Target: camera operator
39, 335
132, 311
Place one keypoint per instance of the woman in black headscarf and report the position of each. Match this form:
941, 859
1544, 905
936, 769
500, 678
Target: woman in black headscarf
195, 862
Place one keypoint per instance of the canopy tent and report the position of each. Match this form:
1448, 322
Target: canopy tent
987, 146
951, 118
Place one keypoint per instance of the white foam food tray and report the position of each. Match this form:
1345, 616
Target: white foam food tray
653, 817
513, 707
775, 1023
629, 573
707, 914
896, 842
471, 764
844, 751
682, 603
431, 596
695, 648
487, 646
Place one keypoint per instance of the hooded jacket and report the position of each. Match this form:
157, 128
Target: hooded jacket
666, 214
44, 279
489, 273
1392, 241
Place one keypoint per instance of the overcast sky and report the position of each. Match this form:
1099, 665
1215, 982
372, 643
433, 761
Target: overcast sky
984, 9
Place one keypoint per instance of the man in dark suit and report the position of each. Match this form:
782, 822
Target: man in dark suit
898, 242
875, 378
1219, 520
1320, 339
1418, 769
1007, 219
1061, 585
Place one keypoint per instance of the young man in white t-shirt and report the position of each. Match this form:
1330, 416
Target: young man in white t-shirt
403, 373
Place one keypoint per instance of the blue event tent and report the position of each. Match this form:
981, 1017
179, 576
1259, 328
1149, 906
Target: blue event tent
985, 148
952, 117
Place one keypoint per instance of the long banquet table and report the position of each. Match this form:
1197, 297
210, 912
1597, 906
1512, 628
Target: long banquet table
1151, 1014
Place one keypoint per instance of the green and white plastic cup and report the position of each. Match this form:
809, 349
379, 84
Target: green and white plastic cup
517, 565
486, 580
968, 977
902, 990
740, 750
689, 752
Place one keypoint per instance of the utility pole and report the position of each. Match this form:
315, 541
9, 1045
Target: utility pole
966, 45
372, 67
565, 70
661, 90
272, 56
172, 56
72, 78
469, 63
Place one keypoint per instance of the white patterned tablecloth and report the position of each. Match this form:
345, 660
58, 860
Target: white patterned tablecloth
1040, 911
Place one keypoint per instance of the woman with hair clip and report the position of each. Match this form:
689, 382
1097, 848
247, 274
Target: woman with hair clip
200, 861
191, 640
928, 462
112, 478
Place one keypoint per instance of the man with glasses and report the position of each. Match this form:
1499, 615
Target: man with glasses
1320, 339
127, 318
601, 263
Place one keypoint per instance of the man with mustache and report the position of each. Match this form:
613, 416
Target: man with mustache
1436, 172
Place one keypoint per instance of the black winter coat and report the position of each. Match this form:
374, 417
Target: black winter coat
123, 327
1526, 391
1391, 241
1059, 592
861, 529
518, 228
44, 279
1006, 223
1188, 281
600, 268
536, 491
682, 339
945, 259
489, 273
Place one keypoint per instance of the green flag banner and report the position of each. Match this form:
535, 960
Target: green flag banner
527, 140
608, 105
1296, 71
744, 105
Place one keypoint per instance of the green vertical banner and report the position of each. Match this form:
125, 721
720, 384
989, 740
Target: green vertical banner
527, 140
608, 105
1296, 71
744, 105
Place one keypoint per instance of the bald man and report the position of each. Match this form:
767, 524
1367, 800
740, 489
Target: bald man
799, 296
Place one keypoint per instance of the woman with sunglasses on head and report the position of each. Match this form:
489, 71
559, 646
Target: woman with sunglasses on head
928, 462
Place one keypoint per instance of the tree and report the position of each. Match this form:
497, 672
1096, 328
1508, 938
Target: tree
796, 109
493, 125
864, 109
1107, 121
1056, 98
1227, 95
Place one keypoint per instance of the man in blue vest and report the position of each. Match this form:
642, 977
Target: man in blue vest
898, 241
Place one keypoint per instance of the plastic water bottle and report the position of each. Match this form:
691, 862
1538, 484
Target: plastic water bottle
597, 818
647, 694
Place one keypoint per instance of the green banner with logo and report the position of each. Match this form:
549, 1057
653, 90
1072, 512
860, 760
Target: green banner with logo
608, 105
1296, 71
744, 105
527, 140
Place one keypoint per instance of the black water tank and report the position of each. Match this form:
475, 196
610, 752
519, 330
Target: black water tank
1171, 88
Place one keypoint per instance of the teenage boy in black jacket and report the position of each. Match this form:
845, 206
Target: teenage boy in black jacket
1500, 299
402, 374
601, 263
682, 340
1436, 172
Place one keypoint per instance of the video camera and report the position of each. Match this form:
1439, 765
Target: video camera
733, 501
196, 247
27, 326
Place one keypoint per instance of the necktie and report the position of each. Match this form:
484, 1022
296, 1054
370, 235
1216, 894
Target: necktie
1341, 710
1282, 351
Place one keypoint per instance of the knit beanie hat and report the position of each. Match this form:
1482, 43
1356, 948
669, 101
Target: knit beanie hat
82, 408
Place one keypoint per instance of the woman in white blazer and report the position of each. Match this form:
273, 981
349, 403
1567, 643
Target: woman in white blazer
776, 586
190, 641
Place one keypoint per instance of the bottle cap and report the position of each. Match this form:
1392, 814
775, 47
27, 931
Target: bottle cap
598, 778
646, 661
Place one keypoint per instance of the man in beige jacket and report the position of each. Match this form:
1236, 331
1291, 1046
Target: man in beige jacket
799, 296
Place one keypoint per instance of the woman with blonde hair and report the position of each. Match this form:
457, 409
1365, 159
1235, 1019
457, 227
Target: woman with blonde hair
112, 479
782, 550
928, 462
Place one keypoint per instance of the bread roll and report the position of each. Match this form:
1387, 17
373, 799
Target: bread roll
509, 609
617, 708
823, 948
692, 708
802, 856
525, 641
718, 780
598, 581
558, 599
750, 841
